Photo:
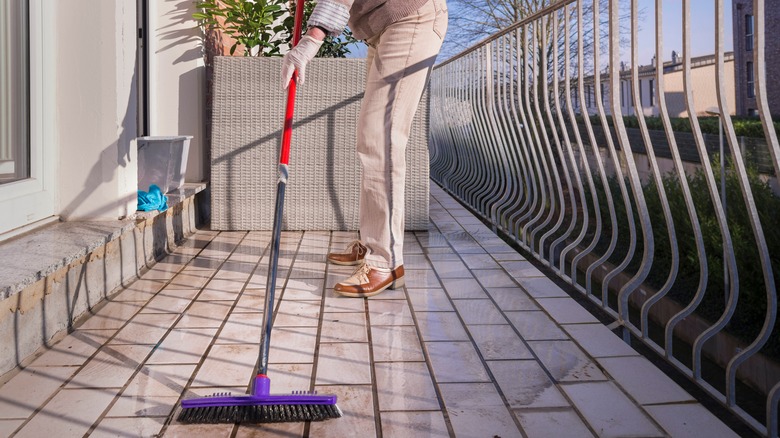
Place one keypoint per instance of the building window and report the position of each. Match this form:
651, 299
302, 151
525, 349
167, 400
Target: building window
748, 33
14, 92
589, 95
651, 83
603, 97
751, 83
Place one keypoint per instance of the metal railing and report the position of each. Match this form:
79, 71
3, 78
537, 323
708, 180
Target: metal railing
511, 138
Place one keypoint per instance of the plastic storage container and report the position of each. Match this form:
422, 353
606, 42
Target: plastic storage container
162, 161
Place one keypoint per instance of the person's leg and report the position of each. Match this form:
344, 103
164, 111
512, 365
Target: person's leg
400, 60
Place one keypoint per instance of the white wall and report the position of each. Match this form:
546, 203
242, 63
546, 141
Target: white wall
96, 108
178, 79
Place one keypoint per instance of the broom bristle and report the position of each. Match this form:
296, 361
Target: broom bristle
259, 413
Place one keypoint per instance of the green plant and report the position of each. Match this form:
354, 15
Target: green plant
249, 23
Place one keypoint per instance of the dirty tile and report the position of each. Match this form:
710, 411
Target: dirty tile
499, 342
421, 279
343, 364
146, 328
599, 341
26, 391
565, 361
178, 430
456, 362
441, 326
142, 406
309, 289
430, 300
293, 344
227, 365
494, 278
183, 345
7, 427
414, 424
512, 298
525, 384
416, 261
451, 269
461, 288
221, 290
609, 412
337, 303
566, 311
541, 287
391, 343
289, 377
521, 269
544, 423
643, 381
476, 410
140, 290
288, 430
74, 349
389, 312
241, 328
138, 427
70, 413
111, 367
479, 312
168, 301
205, 314
111, 316
159, 381
249, 303
689, 420
344, 327
190, 279
298, 314
357, 404
534, 326
405, 386
480, 261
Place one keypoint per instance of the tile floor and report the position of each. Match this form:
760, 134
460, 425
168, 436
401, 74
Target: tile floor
478, 344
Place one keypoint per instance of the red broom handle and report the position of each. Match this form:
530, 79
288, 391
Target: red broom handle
284, 157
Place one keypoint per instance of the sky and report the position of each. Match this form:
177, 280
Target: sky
702, 29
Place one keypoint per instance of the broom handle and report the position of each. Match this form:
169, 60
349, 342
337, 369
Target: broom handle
284, 159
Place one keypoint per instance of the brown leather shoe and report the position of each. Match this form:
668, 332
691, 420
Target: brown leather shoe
368, 281
352, 255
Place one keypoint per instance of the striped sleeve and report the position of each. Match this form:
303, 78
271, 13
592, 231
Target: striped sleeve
330, 15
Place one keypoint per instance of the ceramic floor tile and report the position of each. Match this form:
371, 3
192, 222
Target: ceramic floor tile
159, 381
190, 279
494, 278
521, 269
456, 362
293, 344
599, 341
565, 361
139, 290
512, 298
534, 326
26, 391
451, 269
288, 430
137, 427
344, 327
566, 311
221, 290
235, 270
689, 420
111, 316
70, 413
205, 314
7, 427
74, 349
183, 345
544, 423
170, 302
462, 288
476, 410
227, 365
389, 312
479, 312
286, 377
480, 261
111, 367
414, 424
609, 412
241, 328
643, 381
357, 404
143, 406
421, 279
441, 326
306, 290
499, 342
343, 364
526, 385
298, 314
145, 328
416, 261
336, 303
405, 386
178, 430
541, 287
399, 344
430, 300
250, 303
508, 257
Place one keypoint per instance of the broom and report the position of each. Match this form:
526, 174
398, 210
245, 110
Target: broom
260, 406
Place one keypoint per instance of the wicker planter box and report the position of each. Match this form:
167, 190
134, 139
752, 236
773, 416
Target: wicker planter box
323, 188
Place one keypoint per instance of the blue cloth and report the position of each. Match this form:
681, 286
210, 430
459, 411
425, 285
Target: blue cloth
152, 200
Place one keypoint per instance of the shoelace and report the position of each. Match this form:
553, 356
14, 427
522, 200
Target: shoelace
364, 269
360, 247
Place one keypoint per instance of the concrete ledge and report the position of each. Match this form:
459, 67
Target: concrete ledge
52, 276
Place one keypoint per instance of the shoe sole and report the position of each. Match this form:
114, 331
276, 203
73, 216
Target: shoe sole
398, 283
338, 262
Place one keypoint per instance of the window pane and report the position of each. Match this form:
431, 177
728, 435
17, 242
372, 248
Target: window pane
14, 92
748, 33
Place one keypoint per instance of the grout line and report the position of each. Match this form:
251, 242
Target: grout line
374, 384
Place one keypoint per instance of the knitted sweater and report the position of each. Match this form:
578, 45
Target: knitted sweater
366, 18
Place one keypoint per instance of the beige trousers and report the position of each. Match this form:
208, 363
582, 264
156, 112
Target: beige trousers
399, 62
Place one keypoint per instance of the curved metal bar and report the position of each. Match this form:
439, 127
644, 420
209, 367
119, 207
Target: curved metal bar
755, 223
489, 182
